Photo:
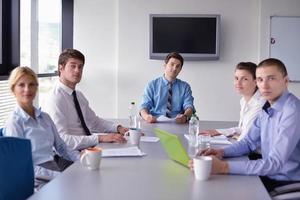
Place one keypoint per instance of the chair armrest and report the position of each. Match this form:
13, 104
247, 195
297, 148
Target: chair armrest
286, 189
40, 181
287, 196
42, 178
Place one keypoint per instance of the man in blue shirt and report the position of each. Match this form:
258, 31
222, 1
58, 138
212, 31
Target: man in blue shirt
167, 95
276, 131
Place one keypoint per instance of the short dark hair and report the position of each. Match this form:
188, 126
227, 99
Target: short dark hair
69, 53
174, 55
248, 66
274, 62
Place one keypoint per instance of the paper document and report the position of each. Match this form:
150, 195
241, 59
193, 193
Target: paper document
149, 139
214, 140
220, 137
127, 151
228, 131
163, 118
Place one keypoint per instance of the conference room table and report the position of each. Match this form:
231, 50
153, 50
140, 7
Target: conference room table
153, 176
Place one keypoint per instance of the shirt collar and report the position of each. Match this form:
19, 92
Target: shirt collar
165, 81
253, 100
266, 107
20, 112
254, 97
278, 104
65, 88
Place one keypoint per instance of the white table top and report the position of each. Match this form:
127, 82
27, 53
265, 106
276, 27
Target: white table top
153, 176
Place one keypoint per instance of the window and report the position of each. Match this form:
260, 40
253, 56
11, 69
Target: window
10, 38
40, 34
41, 42
45, 28
7, 102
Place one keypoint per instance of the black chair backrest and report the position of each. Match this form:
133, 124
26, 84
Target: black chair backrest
16, 169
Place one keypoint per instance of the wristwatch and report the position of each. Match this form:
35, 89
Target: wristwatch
118, 127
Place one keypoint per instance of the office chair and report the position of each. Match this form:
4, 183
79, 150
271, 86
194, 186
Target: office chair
16, 169
286, 192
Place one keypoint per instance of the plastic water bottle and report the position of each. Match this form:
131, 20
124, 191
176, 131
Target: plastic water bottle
133, 116
193, 131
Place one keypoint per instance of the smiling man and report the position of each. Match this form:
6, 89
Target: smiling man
276, 130
168, 95
70, 110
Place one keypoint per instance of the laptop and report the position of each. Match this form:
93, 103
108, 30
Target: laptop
173, 147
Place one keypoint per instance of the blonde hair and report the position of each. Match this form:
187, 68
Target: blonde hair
19, 72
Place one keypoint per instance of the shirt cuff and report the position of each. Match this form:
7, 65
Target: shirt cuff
237, 167
94, 139
189, 106
115, 127
228, 151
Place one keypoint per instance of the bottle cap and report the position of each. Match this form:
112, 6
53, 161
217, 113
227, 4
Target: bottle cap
195, 115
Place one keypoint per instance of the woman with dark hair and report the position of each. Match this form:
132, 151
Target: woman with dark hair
251, 101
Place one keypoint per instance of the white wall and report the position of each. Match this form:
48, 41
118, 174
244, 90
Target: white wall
95, 35
114, 36
280, 8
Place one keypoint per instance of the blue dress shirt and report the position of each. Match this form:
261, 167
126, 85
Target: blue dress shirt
156, 96
277, 131
42, 134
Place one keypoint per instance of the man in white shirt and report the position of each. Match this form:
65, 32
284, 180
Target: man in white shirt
74, 124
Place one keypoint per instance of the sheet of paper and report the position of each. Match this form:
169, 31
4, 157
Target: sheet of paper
163, 118
149, 139
214, 140
143, 138
99, 133
220, 137
218, 141
126, 151
227, 131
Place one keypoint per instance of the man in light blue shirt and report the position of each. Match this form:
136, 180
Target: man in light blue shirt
167, 95
276, 131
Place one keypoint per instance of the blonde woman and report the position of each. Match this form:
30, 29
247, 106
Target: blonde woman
251, 102
26, 121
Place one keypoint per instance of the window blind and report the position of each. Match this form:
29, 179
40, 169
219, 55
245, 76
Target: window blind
7, 102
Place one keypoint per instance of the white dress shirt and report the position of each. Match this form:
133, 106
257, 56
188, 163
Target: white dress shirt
248, 113
60, 106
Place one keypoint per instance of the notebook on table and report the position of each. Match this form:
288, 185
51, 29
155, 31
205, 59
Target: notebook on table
173, 146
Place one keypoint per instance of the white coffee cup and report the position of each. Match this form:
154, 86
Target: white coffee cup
202, 167
134, 136
91, 158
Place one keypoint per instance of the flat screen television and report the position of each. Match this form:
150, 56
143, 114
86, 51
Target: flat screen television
194, 36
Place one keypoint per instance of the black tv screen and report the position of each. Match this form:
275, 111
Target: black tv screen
195, 37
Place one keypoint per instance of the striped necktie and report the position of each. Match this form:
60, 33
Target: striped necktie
79, 112
169, 101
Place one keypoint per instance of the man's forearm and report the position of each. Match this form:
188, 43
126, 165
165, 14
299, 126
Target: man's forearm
144, 113
188, 113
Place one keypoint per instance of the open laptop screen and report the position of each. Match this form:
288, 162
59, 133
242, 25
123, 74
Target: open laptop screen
173, 146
